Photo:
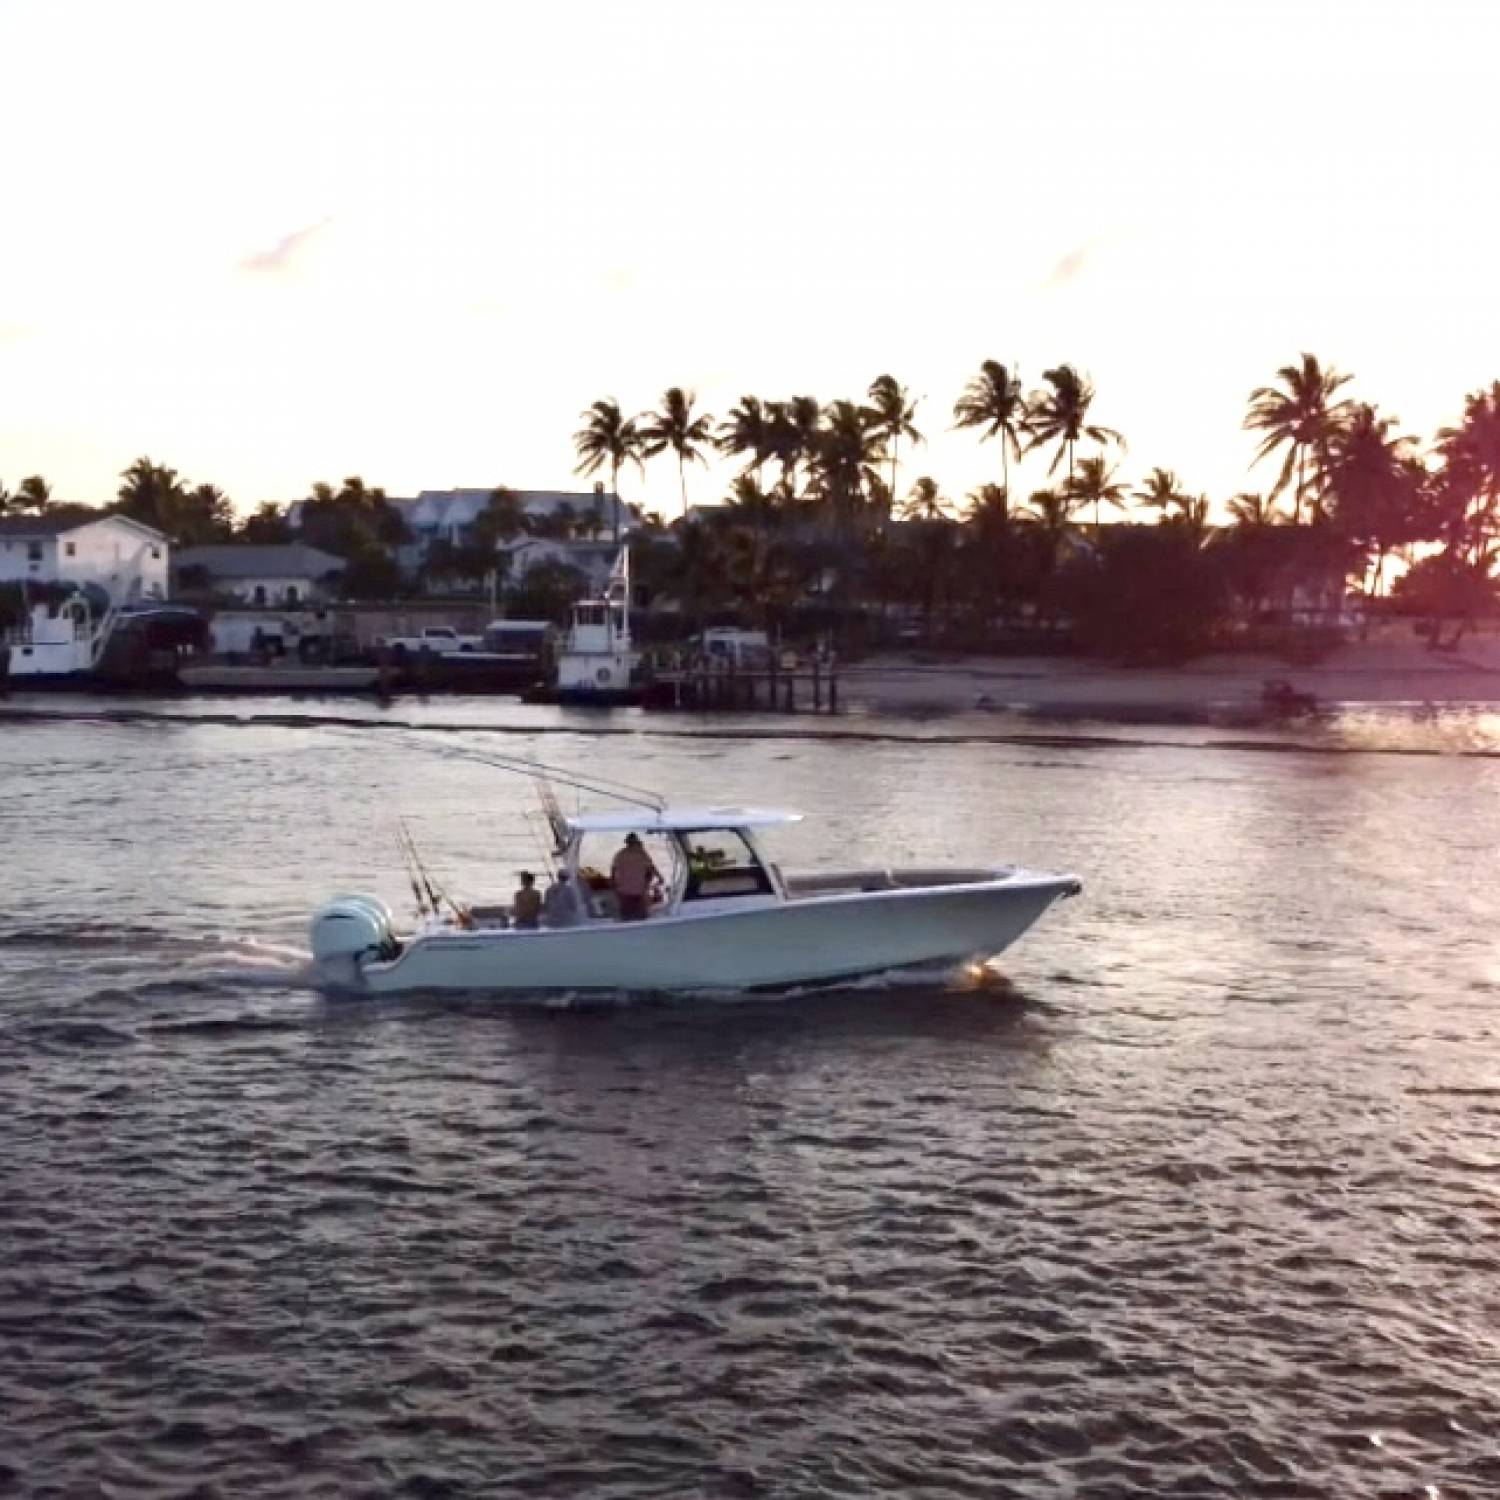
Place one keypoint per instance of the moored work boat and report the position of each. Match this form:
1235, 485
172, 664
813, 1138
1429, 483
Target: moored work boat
719, 915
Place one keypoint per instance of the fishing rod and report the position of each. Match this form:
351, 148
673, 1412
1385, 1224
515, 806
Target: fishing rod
411, 870
416, 859
436, 894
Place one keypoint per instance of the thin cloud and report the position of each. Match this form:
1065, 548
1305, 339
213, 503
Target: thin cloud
1070, 268
286, 252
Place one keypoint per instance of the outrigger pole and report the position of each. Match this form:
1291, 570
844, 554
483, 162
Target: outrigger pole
600, 786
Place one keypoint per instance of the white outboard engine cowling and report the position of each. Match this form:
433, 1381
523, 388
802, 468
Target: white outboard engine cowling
351, 930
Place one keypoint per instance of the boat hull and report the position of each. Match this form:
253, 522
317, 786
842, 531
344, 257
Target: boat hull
809, 940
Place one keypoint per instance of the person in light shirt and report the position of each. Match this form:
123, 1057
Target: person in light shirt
560, 902
632, 875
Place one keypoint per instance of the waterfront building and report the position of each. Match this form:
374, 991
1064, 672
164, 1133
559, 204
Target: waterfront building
125, 557
281, 575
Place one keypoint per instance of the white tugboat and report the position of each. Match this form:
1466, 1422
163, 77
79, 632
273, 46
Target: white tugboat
596, 663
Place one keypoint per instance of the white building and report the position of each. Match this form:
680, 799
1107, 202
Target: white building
127, 558
282, 575
445, 515
594, 560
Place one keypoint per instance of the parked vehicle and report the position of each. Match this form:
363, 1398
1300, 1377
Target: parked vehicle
441, 640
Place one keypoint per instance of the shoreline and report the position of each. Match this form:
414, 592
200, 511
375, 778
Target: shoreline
1213, 685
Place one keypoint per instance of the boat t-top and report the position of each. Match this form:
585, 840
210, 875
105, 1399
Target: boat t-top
719, 914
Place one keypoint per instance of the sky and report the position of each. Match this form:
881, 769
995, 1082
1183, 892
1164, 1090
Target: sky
271, 243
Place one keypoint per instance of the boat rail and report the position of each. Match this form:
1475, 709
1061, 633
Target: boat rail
831, 882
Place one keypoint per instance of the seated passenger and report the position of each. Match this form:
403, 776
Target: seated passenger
632, 875
526, 908
560, 902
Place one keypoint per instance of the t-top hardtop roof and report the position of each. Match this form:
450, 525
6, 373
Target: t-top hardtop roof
679, 819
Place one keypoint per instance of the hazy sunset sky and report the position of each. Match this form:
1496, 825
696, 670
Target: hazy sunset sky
272, 243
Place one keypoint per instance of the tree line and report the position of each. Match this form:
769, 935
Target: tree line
817, 513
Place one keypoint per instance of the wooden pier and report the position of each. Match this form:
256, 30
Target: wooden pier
809, 688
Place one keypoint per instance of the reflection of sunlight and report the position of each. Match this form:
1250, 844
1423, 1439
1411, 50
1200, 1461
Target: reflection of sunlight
1434, 729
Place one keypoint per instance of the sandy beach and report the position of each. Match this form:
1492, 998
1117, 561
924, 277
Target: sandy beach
1374, 673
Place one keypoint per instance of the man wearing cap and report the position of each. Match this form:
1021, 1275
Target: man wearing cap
631, 875
526, 908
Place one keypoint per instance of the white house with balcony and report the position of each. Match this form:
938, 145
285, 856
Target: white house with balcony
280, 576
128, 559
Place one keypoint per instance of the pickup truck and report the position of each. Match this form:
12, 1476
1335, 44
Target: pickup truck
440, 640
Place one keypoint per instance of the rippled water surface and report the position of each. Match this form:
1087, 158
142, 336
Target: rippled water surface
1199, 1199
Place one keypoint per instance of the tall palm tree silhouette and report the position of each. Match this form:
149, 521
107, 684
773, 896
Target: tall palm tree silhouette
1060, 415
895, 416
1301, 417
1162, 491
746, 432
993, 400
608, 437
1095, 483
674, 426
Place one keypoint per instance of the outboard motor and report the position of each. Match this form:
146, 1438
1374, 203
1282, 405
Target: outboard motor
351, 930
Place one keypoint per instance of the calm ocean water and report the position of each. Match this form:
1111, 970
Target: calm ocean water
1203, 1198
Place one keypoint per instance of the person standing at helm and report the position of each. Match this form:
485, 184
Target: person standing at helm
631, 875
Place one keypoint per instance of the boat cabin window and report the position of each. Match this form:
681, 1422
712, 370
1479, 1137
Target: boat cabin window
589, 614
720, 863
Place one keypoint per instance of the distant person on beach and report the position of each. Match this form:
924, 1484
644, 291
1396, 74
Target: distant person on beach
631, 875
526, 908
560, 902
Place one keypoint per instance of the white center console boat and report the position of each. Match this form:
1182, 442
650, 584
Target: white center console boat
720, 915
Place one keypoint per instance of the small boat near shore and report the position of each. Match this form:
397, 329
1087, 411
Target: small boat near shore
722, 916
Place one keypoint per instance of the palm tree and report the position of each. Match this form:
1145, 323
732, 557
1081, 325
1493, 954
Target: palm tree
1470, 478
925, 503
1191, 516
795, 427
993, 400
1303, 418
607, 437
1162, 491
1061, 415
1095, 483
989, 509
1051, 511
846, 452
895, 417
1378, 486
1252, 511
674, 426
204, 516
748, 430
748, 502
151, 493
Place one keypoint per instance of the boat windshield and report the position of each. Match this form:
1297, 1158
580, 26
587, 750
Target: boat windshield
720, 863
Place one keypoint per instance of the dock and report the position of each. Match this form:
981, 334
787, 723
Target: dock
713, 686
